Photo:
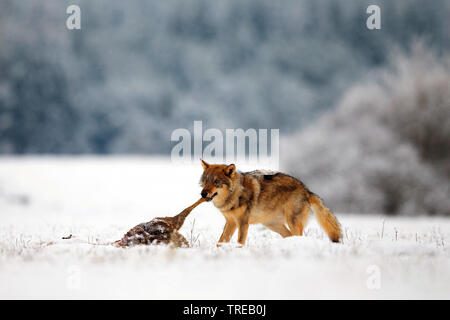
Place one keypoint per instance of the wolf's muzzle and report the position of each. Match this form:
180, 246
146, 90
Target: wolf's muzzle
204, 194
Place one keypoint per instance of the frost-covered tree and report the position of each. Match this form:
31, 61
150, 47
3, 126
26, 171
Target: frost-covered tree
139, 69
385, 148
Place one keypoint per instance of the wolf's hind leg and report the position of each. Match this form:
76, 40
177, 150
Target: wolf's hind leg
297, 219
279, 228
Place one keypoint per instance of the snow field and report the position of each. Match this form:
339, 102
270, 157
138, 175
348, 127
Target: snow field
43, 199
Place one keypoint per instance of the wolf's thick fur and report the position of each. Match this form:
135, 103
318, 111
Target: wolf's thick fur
273, 199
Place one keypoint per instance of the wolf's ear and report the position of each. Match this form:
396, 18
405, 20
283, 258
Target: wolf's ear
205, 165
230, 170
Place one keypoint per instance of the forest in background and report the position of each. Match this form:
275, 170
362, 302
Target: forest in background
139, 69
363, 114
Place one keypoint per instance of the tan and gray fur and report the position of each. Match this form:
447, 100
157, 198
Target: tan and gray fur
276, 200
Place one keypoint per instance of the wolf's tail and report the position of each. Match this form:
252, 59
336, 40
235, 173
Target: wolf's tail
325, 218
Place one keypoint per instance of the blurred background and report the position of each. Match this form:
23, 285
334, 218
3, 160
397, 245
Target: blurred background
364, 115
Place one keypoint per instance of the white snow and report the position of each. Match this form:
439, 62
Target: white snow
97, 200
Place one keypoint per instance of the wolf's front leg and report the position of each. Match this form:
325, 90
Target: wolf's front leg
243, 231
228, 231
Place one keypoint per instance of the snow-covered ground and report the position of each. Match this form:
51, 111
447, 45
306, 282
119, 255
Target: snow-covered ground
98, 199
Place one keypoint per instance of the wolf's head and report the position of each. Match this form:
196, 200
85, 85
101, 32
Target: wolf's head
216, 180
